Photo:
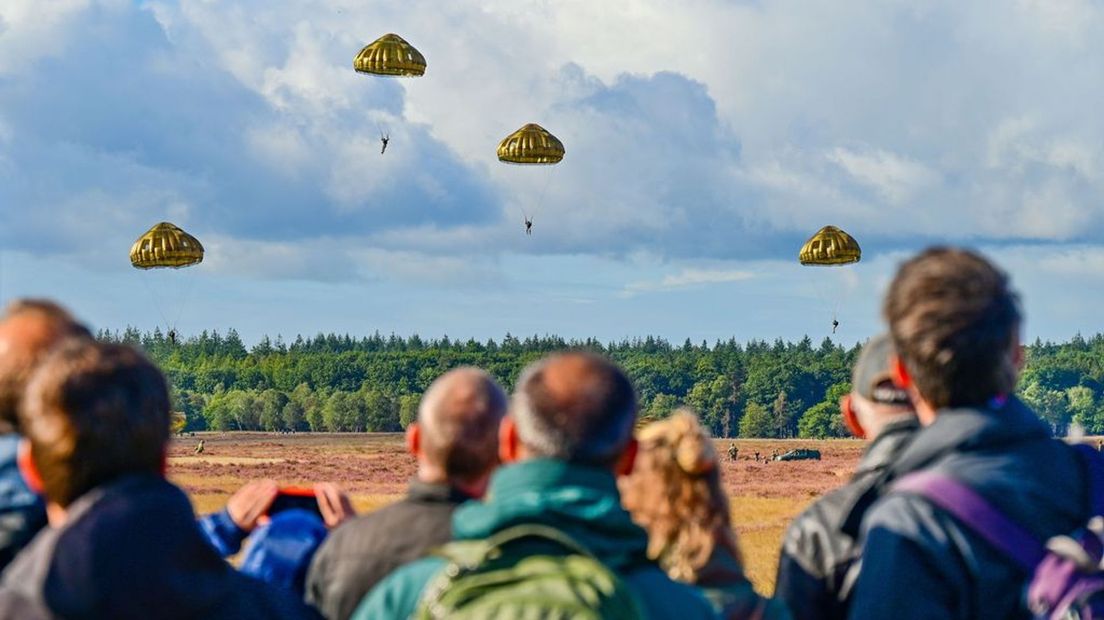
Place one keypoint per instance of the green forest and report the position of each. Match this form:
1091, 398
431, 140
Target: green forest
754, 389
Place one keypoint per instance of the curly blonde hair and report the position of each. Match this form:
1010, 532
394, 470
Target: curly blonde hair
675, 493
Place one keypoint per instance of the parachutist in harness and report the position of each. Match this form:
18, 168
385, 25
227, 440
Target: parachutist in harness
172, 336
384, 138
835, 324
529, 227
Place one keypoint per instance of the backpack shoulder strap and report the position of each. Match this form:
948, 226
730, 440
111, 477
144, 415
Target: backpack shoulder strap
962, 502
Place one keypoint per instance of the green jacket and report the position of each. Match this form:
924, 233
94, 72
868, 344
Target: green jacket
582, 502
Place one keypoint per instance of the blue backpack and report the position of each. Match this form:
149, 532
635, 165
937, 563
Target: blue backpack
1067, 572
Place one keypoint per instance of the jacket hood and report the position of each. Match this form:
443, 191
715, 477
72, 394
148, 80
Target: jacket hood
1000, 424
581, 501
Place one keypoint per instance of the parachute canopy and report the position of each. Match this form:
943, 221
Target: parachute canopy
390, 55
830, 246
532, 144
165, 245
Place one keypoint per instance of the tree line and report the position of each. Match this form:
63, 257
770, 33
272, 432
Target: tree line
755, 389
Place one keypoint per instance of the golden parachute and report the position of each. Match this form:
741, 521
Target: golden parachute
532, 144
165, 245
390, 55
830, 246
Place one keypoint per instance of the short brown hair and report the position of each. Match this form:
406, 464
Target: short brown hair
954, 319
94, 412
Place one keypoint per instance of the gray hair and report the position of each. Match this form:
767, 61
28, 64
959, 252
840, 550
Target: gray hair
577, 407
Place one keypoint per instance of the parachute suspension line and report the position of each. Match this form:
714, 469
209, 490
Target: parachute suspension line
155, 296
187, 287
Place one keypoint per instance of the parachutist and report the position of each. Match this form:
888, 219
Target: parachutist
384, 139
529, 227
172, 336
835, 324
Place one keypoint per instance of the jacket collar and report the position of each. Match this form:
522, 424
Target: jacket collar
582, 502
966, 429
436, 492
886, 447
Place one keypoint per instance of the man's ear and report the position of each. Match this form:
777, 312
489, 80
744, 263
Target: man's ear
627, 459
509, 444
850, 419
414, 439
27, 467
899, 372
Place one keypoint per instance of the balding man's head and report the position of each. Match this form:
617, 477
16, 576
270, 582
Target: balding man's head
29, 329
458, 424
577, 407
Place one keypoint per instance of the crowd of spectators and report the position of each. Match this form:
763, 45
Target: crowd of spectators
551, 502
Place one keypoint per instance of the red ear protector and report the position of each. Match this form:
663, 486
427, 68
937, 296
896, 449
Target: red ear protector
27, 467
850, 419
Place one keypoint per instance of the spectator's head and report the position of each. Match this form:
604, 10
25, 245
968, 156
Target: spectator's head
455, 437
875, 400
576, 407
675, 493
955, 323
29, 328
94, 412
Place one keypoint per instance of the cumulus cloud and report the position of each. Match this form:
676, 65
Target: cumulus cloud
732, 134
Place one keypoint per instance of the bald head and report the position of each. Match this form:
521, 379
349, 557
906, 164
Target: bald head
29, 329
577, 407
458, 420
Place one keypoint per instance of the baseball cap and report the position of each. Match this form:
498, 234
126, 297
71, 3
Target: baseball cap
871, 377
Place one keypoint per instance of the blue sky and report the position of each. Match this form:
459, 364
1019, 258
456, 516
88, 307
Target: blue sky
706, 139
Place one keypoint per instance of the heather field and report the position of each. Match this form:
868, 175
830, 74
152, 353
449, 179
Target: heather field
374, 469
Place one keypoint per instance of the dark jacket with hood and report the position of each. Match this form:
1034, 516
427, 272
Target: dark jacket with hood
131, 549
818, 564
920, 562
364, 550
582, 502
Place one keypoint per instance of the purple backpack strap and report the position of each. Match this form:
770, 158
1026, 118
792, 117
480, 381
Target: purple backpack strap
979, 515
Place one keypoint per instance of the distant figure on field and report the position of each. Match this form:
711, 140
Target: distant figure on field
122, 541
199, 447
818, 564
455, 441
675, 493
29, 329
756, 457
567, 438
733, 452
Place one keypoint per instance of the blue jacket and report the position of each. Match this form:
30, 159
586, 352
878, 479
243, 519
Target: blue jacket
584, 503
22, 513
280, 552
919, 562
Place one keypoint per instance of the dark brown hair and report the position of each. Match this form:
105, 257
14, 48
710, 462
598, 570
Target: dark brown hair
954, 320
94, 412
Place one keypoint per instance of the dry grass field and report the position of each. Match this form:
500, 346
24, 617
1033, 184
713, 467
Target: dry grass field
374, 469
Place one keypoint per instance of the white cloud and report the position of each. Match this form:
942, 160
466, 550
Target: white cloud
689, 278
